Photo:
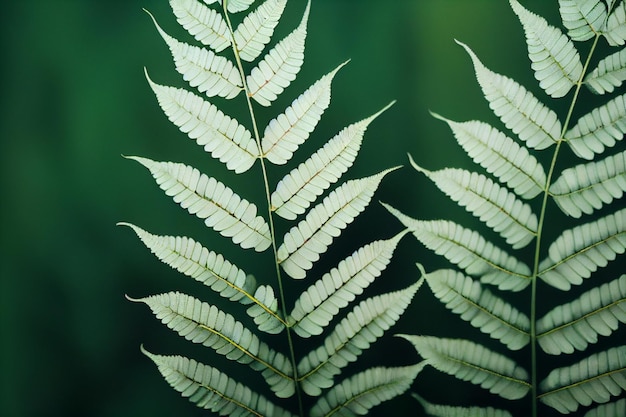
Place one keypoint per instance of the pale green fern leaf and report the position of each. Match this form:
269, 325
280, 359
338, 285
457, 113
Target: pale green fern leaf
517, 107
595, 379
553, 57
203, 122
264, 311
609, 74
218, 205
575, 325
205, 324
471, 362
491, 203
203, 23
582, 18
501, 156
599, 129
353, 335
235, 6
284, 134
211, 74
357, 395
316, 306
436, 410
614, 409
480, 307
280, 66
469, 251
304, 243
192, 259
257, 28
211, 389
585, 188
299, 188
580, 251
615, 32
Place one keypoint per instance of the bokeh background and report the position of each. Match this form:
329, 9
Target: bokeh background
73, 99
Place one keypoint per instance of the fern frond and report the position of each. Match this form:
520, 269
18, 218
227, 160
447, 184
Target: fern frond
469, 250
222, 136
615, 32
436, 410
609, 74
235, 6
553, 57
488, 201
205, 324
593, 380
257, 28
614, 409
211, 389
211, 74
580, 251
600, 129
219, 206
365, 390
500, 155
316, 306
203, 23
585, 188
582, 18
354, 334
577, 324
299, 188
519, 109
471, 362
284, 134
280, 66
477, 305
304, 243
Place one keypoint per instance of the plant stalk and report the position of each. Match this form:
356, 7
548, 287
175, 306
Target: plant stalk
257, 136
544, 203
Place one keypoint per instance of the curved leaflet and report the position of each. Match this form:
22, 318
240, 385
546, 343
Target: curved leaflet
219, 206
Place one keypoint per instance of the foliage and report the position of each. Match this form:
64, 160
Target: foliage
301, 202
517, 252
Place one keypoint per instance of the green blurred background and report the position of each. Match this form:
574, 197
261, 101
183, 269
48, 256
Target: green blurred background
74, 99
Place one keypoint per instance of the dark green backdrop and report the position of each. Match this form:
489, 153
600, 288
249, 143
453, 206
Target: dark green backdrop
74, 98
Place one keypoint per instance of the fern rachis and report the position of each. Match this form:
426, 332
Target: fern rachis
237, 60
577, 257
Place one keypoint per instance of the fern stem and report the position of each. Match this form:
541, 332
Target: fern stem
544, 204
257, 137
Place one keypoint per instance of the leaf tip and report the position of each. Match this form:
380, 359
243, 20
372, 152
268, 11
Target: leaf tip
146, 352
143, 161
134, 300
417, 167
437, 116
420, 267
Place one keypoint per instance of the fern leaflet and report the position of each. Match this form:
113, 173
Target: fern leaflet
210, 388
352, 335
593, 380
577, 324
357, 395
474, 363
